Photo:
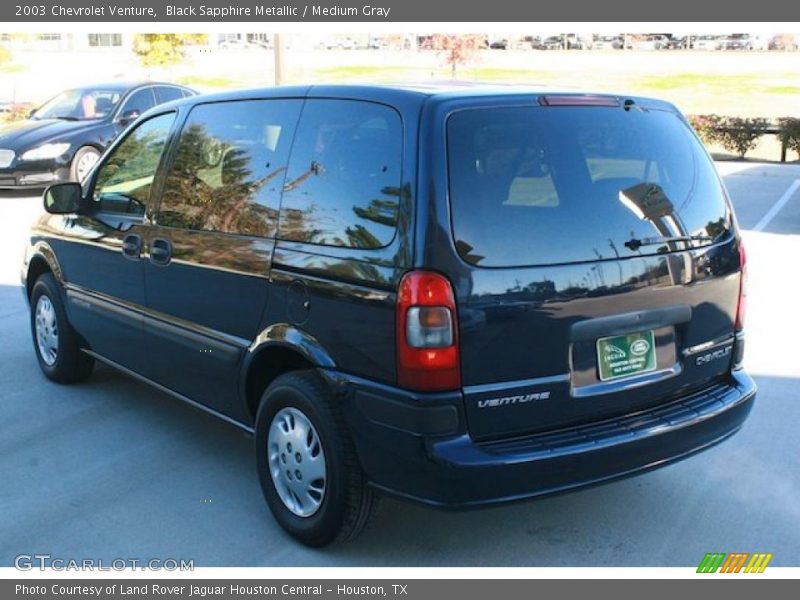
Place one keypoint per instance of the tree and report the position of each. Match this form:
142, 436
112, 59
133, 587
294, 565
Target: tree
164, 49
457, 50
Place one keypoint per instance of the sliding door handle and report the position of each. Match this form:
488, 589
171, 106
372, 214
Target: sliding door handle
160, 251
132, 246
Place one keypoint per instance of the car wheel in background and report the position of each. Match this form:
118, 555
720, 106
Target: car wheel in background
83, 161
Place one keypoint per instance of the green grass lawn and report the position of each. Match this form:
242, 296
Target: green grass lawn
697, 80
400, 73
12, 68
208, 82
783, 89
368, 73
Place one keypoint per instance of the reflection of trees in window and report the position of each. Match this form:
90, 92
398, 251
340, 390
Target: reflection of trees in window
356, 271
344, 176
359, 236
383, 211
221, 251
465, 250
715, 228
212, 186
123, 182
130, 170
311, 225
296, 224
380, 210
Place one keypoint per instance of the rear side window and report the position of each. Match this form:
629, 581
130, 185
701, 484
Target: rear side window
138, 102
166, 93
229, 167
343, 183
548, 185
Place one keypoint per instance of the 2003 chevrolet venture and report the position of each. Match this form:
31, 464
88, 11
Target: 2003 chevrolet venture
459, 296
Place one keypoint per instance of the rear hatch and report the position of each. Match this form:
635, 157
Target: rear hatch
599, 262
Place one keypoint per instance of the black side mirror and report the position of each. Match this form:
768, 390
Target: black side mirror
64, 198
128, 117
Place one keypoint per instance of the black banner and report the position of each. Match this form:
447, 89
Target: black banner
417, 589
443, 11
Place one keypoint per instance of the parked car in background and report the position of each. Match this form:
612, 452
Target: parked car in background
457, 295
760, 42
738, 41
708, 42
574, 42
649, 42
244, 45
340, 43
783, 41
608, 43
554, 42
682, 42
62, 139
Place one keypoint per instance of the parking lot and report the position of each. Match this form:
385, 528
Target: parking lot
114, 469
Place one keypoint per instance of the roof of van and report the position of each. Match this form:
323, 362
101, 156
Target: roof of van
389, 92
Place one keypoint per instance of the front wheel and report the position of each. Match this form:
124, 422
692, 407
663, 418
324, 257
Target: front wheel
83, 162
307, 465
54, 341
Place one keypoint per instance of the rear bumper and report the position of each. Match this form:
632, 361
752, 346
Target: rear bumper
417, 448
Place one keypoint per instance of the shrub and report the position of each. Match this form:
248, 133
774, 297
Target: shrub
164, 49
789, 133
706, 127
740, 134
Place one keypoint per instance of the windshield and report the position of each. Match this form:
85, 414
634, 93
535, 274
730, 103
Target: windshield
79, 105
548, 185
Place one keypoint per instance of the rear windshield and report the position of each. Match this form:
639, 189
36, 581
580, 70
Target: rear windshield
547, 185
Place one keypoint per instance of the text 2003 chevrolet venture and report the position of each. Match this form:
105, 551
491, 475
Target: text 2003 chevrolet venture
458, 296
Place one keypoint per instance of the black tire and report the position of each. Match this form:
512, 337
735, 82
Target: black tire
70, 364
79, 155
348, 503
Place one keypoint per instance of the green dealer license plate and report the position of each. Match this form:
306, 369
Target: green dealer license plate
626, 355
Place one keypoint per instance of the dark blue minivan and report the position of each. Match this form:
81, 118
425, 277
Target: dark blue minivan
456, 295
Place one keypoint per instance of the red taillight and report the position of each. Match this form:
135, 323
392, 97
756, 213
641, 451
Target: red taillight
742, 306
427, 333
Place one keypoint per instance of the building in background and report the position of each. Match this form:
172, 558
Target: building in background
59, 42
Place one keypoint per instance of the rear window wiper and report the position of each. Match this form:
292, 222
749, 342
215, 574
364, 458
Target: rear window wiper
636, 243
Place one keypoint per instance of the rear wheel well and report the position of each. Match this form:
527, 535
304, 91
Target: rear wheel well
266, 366
36, 269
